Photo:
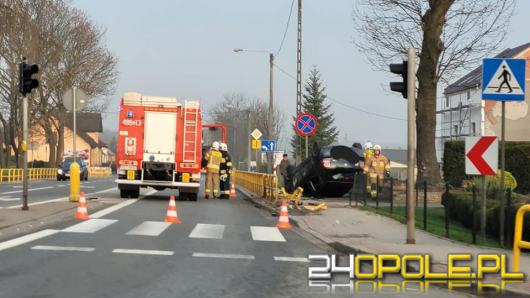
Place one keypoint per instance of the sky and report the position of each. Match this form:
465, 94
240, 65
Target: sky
184, 48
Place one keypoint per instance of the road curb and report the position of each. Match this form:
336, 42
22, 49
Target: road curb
336, 245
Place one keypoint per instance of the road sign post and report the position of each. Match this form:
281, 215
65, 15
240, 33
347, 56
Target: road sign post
503, 80
306, 125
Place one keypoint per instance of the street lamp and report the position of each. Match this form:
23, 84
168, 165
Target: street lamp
271, 90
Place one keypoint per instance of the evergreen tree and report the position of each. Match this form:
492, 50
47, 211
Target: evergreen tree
315, 103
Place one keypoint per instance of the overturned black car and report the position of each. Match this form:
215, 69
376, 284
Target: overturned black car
329, 170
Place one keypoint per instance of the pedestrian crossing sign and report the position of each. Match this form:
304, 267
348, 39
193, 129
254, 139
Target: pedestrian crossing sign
503, 79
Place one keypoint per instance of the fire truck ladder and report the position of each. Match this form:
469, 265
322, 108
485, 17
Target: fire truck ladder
191, 119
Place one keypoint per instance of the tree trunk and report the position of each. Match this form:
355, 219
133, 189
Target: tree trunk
51, 139
60, 142
432, 46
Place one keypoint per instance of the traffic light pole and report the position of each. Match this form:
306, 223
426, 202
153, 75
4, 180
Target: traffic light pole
411, 148
25, 153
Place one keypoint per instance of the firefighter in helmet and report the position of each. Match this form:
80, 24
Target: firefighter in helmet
213, 158
225, 172
377, 167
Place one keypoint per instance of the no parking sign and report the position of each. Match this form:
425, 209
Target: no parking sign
306, 125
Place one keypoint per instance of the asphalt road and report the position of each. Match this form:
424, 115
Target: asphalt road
46, 190
221, 249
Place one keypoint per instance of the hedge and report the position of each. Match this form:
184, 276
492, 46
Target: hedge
460, 205
517, 162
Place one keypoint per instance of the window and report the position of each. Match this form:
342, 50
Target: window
468, 95
474, 128
447, 101
456, 130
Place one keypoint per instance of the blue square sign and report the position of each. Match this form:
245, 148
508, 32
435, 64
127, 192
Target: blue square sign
268, 146
503, 79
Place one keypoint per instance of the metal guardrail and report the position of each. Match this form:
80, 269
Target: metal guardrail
518, 242
264, 185
14, 174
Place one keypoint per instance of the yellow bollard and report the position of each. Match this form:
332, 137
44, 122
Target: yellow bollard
518, 242
75, 184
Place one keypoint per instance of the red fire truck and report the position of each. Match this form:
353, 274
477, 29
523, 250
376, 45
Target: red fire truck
159, 145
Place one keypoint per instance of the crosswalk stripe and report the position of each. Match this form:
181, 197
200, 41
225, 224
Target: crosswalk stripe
266, 234
27, 238
291, 259
149, 228
142, 252
222, 256
63, 248
90, 226
208, 231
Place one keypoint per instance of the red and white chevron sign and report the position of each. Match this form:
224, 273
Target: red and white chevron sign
482, 155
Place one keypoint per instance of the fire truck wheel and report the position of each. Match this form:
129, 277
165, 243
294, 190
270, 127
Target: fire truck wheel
124, 193
135, 193
192, 196
183, 196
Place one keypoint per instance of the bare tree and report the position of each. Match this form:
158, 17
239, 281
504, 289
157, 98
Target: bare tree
450, 35
241, 114
69, 50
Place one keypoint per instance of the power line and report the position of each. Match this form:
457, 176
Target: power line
286, 28
345, 104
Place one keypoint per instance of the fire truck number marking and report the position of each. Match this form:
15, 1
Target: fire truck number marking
130, 146
130, 122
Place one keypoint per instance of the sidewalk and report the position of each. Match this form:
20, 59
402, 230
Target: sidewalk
359, 231
15, 222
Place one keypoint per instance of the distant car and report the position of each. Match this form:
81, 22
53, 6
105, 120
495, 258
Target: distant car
63, 171
329, 170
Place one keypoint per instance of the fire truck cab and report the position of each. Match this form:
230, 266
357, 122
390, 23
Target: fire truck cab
159, 145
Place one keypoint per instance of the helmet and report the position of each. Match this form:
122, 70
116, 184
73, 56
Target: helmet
223, 147
377, 147
368, 145
215, 145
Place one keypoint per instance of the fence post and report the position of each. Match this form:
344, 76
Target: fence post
473, 226
509, 227
366, 181
416, 187
425, 205
391, 194
352, 189
447, 210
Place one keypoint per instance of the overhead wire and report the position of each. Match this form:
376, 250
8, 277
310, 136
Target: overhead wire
286, 29
345, 104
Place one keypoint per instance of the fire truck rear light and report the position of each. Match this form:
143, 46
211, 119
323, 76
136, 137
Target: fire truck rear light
128, 163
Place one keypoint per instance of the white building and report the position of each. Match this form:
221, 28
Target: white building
462, 112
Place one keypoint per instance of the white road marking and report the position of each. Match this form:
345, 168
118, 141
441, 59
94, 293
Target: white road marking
90, 226
149, 228
40, 203
63, 248
26, 239
17, 186
266, 234
87, 187
61, 185
208, 231
31, 189
222, 256
113, 208
9, 199
143, 252
291, 259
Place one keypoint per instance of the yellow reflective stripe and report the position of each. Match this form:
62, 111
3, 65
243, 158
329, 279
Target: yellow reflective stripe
229, 164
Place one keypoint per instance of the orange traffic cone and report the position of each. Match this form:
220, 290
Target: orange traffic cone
81, 213
171, 215
283, 222
233, 191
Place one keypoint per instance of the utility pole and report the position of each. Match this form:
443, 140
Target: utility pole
270, 156
249, 143
411, 148
299, 73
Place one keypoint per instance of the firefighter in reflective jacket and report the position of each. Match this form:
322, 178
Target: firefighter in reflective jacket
213, 157
376, 168
368, 154
225, 172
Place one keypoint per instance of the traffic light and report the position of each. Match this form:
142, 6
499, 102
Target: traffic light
26, 83
401, 69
